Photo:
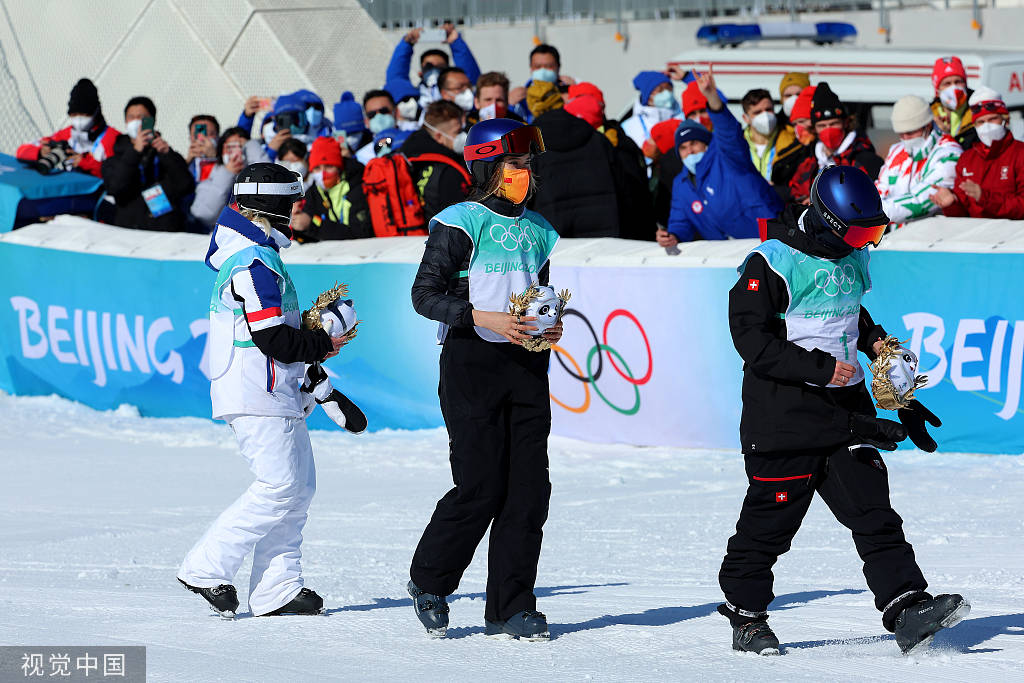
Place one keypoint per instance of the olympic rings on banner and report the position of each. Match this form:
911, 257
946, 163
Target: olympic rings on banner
589, 376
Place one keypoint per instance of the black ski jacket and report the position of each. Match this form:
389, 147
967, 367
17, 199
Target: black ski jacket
439, 292
786, 405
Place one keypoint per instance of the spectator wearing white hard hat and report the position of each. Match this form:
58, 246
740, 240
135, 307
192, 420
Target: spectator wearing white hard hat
924, 159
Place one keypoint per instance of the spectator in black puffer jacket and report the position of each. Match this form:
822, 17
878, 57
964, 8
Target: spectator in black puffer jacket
576, 186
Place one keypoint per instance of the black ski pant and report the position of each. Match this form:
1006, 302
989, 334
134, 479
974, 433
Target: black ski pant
853, 482
496, 406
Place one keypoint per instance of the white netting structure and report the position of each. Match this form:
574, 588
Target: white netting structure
17, 124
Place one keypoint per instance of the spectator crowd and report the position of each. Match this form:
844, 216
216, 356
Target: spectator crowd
674, 169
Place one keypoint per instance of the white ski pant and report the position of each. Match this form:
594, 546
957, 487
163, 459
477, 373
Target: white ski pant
267, 519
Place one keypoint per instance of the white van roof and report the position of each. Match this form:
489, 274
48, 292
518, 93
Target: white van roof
857, 74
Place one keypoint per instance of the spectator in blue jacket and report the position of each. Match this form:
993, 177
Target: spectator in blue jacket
719, 194
319, 125
431, 62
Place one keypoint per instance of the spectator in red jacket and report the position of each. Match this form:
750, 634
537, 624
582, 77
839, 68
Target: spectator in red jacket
90, 138
990, 175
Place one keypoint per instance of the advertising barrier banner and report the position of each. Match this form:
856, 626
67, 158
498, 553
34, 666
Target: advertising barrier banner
646, 358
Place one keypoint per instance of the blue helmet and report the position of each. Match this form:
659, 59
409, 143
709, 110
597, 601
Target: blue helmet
847, 201
491, 139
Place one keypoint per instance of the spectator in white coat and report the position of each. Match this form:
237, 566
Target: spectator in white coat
655, 103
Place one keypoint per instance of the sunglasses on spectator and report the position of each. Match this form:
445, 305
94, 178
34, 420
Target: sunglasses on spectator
370, 113
990, 107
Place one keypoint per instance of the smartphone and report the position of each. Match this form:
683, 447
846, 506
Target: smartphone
148, 123
200, 129
433, 35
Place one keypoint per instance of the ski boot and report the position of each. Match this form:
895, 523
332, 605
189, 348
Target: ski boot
917, 624
307, 602
528, 625
431, 610
756, 637
223, 599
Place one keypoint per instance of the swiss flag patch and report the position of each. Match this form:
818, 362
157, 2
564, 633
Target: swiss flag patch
753, 285
781, 497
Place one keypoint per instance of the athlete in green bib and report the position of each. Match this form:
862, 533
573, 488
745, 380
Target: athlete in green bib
494, 393
808, 424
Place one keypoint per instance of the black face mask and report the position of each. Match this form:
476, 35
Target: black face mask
830, 245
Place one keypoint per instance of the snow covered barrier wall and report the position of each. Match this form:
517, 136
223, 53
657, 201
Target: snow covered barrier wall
108, 316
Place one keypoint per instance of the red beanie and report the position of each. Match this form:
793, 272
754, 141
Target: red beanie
693, 99
664, 134
326, 151
947, 66
586, 108
802, 106
581, 89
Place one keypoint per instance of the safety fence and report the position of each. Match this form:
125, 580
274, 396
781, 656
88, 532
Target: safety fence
107, 316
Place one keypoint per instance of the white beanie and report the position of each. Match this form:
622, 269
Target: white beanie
910, 113
984, 94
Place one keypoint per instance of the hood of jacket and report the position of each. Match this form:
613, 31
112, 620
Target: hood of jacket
234, 233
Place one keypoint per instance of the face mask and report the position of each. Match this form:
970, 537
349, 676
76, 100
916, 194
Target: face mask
465, 99
430, 77
691, 161
952, 97
703, 119
459, 143
515, 184
132, 128
325, 179
381, 122
232, 155
663, 100
832, 137
81, 123
296, 167
544, 75
353, 141
915, 145
803, 134
408, 108
314, 116
787, 104
989, 132
764, 123
497, 110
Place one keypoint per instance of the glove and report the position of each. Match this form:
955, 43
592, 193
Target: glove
337, 405
876, 431
308, 404
913, 418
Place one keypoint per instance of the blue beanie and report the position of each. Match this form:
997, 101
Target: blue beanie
348, 115
290, 102
691, 130
646, 82
400, 89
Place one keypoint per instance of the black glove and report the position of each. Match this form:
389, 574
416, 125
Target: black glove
877, 431
913, 418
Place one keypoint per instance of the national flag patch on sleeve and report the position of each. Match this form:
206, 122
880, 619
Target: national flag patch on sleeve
753, 285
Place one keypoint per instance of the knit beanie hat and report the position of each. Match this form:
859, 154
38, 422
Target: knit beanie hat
348, 115
825, 105
581, 89
947, 66
910, 113
586, 108
793, 78
802, 106
646, 82
693, 99
691, 130
542, 97
84, 98
325, 151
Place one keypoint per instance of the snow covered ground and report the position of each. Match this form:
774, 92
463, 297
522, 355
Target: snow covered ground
99, 508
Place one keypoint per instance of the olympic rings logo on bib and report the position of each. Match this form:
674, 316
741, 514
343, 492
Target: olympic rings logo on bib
839, 280
510, 240
588, 375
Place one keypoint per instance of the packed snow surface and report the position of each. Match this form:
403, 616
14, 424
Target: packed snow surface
99, 509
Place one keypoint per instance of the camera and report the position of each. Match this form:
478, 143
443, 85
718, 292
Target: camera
54, 159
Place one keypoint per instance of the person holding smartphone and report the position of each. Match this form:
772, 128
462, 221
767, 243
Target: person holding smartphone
203, 133
147, 179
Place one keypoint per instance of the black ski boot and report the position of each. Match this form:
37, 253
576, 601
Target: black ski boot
756, 637
917, 624
528, 625
223, 599
307, 602
432, 610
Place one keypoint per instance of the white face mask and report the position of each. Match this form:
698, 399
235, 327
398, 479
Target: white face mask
465, 99
132, 128
296, 167
663, 100
318, 178
764, 123
458, 142
81, 123
787, 104
990, 132
353, 141
952, 96
915, 145
408, 109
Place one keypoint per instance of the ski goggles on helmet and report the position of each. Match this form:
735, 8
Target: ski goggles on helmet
990, 107
858, 236
523, 140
